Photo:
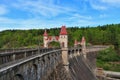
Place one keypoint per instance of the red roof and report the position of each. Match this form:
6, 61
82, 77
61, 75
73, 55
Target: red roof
56, 37
45, 33
63, 31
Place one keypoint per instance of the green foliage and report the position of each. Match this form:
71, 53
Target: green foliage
106, 34
108, 66
20, 38
109, 60
108, 55
54, 44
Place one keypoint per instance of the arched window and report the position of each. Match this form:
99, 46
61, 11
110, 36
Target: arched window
63, 44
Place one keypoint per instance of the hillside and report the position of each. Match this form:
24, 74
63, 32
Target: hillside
107, 34
100, 35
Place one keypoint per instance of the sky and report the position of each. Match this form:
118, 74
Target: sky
41, 14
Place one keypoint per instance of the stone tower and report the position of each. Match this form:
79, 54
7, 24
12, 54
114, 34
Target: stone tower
83, 45
63, 41
63, 37
45, 39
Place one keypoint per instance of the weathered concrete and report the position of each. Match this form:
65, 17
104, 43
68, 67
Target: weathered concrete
47, 65
79, 69
36, 67
59, 73
6, 57
91, 60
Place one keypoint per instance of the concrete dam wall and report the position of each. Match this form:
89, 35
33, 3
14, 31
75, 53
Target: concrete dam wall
80, 70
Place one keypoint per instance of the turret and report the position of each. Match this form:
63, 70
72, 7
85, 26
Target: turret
45, 33
63, 38
83, 43
45, 37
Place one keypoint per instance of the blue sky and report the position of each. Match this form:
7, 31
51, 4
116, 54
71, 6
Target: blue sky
35, 14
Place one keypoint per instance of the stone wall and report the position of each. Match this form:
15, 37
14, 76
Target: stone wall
59, 73
51, 66
37, 67
91, 59
6, 57
80, 70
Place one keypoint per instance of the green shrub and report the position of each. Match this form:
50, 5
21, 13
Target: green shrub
107, 60
108, 55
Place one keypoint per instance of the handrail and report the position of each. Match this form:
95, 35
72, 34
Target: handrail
26, 60
16, 52
24, 50
13, 56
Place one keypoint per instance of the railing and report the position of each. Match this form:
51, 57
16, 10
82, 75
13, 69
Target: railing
6, 57
97, 46
47, 60
14, 49
19, 57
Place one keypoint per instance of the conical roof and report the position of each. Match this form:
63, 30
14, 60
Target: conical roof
45, 33
63, 31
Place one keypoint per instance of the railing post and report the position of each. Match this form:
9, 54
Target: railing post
13, 57
25, 54
38, 50
65, 58
33, 53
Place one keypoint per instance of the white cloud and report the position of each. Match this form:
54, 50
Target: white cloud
98, 7
46, 13
6, 20
3, 10
111, 1
80, 17
45, 8
103, 15
35, 23
104, 4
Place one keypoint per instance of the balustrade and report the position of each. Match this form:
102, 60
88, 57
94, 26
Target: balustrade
6, 57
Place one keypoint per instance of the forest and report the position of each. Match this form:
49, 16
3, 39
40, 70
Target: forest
99, 35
